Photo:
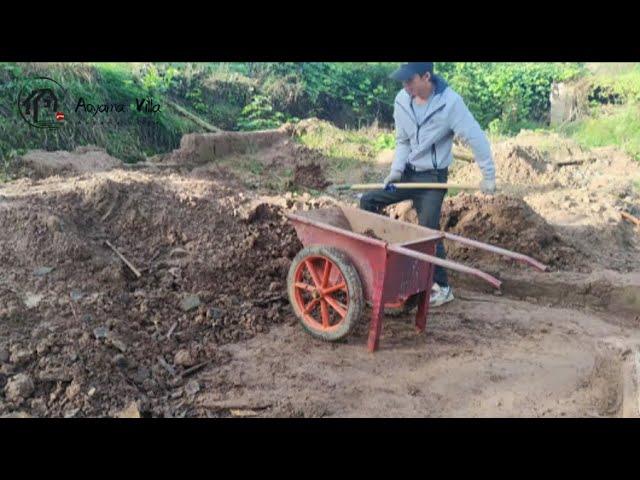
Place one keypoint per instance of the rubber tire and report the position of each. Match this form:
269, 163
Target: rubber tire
354, 288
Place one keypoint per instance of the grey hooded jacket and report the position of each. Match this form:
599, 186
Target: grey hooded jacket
429, 145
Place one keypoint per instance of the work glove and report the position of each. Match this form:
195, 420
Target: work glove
488, 186
393, 177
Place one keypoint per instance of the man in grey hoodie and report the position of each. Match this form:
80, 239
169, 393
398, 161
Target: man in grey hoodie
427, 114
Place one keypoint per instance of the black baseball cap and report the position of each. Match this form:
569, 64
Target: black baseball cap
408, 70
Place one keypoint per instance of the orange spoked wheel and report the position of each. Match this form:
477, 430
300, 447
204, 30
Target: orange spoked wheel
325, 292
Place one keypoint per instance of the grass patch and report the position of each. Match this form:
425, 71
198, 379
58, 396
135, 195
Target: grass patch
617, 126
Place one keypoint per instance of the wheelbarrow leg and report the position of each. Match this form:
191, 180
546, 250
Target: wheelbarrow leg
377, 313
423, 309
423, 304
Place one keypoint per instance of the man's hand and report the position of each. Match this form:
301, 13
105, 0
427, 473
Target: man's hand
393, 177
488, 186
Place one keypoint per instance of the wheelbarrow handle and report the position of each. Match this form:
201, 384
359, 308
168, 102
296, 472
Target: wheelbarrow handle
446, 264
500, 251
410, 185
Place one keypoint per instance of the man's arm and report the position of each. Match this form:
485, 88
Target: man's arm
403, 147
466, 127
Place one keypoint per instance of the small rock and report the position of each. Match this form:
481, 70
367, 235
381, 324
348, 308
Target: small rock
215, 313
54, 223
119, 344
21, 356
73, 390
32, 300
72, 412
16, 415
192, 387
275, 286
43, 346
19, 387
55, 375
39, 406
86, 318
100, 332
141, 375
178, 253
42, 271
76, 295
190, 302
91, 392
4, 355
183, 358
130, 411
120, 361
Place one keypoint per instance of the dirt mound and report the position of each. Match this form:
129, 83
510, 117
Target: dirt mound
504, 222
272, 152
204, 147
271, 147
515, 164
41, 163
310, 176
213, 260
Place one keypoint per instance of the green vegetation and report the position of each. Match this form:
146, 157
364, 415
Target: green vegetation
618, 126
356, 97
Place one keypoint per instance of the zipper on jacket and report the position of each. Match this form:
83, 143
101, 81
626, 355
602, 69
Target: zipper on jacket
419, 125
434, 157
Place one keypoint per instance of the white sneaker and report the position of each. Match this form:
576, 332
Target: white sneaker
440, 295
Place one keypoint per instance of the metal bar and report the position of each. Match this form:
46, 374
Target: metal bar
416, 185
446, 264
500, 251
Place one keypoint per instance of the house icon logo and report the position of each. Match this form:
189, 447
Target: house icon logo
41, 101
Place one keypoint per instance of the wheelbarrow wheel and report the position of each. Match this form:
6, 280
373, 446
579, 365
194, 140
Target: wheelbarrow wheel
325, 292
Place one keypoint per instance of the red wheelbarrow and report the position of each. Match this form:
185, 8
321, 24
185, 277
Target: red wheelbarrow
352, 256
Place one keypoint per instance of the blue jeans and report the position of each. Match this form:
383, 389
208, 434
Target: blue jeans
428, 205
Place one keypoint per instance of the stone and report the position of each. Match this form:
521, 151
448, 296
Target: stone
4, 355
73, 390
192, 387
215, 313
43, 346
100, 332
21, 356
70, 413
19, 387
130, 411
190, 302
178, 253
183, 358
119, 344
42, 271
32, 300
141, 375
76, 295
16, 415
120, 361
